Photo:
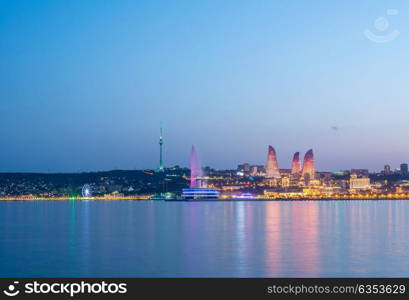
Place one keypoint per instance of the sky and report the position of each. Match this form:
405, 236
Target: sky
84, 85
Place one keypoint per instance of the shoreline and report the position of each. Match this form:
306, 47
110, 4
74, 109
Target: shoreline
205, 200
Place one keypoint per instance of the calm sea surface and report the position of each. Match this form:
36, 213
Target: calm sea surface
202, 239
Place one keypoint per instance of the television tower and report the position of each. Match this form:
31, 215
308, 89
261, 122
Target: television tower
161, 168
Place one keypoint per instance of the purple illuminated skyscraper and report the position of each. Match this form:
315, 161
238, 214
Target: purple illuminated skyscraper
272, 170
296, 164
309, 165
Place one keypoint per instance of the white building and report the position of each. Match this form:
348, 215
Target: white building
362, 183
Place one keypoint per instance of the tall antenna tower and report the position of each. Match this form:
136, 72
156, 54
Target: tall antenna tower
161, 168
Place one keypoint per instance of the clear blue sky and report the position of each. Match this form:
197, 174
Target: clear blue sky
84, 85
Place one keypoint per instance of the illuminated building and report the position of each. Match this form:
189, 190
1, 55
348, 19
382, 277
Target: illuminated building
362, 183
272, 182
285, 172
296, 164
200, 193
308, 171
315, 182
270, 194
285, 182
310, 192
272, 170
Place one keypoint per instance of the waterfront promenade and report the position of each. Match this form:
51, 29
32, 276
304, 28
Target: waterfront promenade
222, 198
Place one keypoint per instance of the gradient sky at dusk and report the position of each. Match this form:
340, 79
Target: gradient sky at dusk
84, 85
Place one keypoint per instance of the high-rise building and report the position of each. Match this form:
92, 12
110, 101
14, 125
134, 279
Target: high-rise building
387, 169
161, 167
359, 183
308, 169
272, 170
296, 164
404, 168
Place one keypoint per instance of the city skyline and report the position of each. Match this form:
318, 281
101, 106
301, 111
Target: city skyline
183, 139
88, 94
306, 168
271, 165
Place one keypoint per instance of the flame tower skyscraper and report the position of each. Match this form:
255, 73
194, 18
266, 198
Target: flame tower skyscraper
272, 165
296, 164
309, 165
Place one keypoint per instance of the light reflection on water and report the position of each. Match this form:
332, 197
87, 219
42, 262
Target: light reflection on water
199, 239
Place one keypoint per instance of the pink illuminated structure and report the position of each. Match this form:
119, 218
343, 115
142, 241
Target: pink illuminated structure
272, 170
309, 166
296, 164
